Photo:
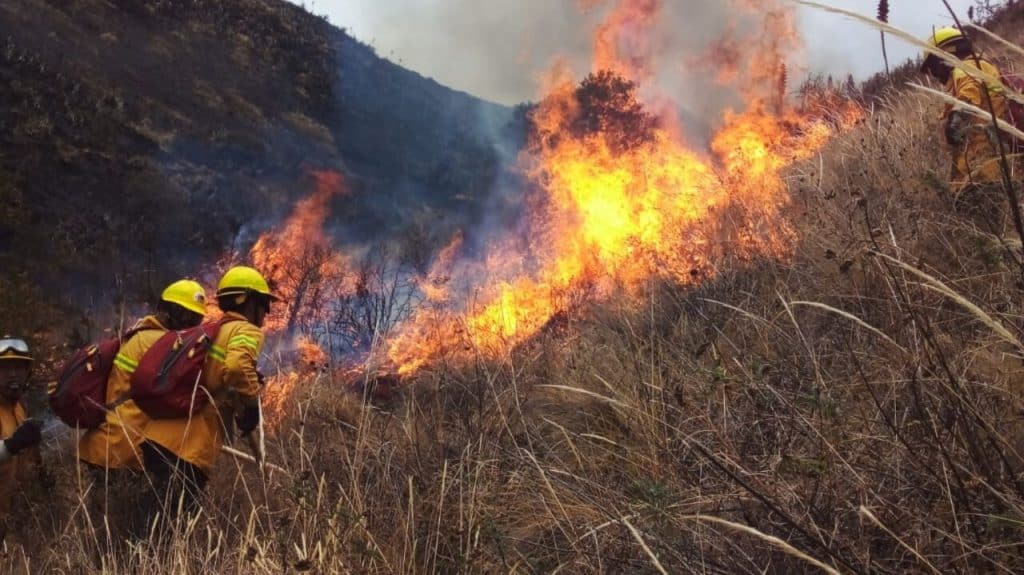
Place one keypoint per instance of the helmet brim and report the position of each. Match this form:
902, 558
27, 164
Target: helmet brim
232, 291
198, 310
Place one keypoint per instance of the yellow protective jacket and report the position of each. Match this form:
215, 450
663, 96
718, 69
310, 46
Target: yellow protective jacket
976, 159
230, 376
114, 444
18, 468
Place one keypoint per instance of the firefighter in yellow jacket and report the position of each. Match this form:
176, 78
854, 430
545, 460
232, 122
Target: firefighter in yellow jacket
111, 451
976, 175
21, 435
180, 454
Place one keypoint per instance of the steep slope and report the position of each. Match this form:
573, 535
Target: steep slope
140, 135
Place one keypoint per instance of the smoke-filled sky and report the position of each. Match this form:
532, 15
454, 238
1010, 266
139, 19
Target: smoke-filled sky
497, 49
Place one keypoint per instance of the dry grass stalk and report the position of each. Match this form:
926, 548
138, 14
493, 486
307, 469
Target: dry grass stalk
771, 539
865, 512
977, 312
970, 109
852, 318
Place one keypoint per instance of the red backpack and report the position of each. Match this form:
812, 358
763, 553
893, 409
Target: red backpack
168, 384
79, 397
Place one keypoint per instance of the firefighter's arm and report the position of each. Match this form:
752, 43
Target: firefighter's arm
28, 434
241, 376
243, 351
955, 122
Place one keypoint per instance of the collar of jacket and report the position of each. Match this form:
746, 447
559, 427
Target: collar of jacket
234, 315
149, 322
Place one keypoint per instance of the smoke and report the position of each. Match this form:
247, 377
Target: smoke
500, 50
495, 50
492, 49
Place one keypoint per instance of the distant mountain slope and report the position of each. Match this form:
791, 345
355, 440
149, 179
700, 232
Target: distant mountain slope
136, 135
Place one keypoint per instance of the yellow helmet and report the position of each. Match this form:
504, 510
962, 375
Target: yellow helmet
188, 294
14, 348
242, 280
944, 39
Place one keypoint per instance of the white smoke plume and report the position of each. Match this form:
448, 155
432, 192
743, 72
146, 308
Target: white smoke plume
496, 49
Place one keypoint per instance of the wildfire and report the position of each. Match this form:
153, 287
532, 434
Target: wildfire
300, 261
275, 395
310, 360
303, 267
623, 44
616, 199
622, 200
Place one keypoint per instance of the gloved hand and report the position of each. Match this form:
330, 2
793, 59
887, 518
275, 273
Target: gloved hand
262, 379
247, 420
955, 124
27, 435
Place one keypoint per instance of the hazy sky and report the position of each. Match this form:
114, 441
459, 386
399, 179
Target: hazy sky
497, 48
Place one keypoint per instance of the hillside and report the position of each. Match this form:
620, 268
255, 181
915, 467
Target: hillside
140, 132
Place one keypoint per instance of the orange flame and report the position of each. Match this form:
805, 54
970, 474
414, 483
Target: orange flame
617, 200
303, 267
624, 201
275, 397
622, 43
299, 259
279, 388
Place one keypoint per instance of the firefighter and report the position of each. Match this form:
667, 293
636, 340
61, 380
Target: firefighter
180, 454
19, 452
110, 452
976, 176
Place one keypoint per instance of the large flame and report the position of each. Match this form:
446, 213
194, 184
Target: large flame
300, 261
617, 199
304, 269
623, 200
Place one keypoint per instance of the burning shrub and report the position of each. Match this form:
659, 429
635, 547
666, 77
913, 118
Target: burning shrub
300, 260
608, 107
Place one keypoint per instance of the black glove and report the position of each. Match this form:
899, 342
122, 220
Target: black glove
955, 124
247, 420
27, 435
